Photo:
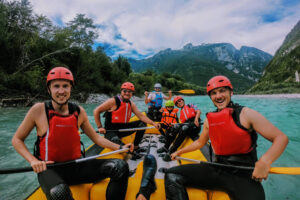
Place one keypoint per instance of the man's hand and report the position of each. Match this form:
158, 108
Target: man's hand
102, 130
157, 125
174, 155
196, 122
261, 171
130, 146
39, 166
146, 93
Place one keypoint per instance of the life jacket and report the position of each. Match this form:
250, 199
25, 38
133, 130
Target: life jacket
157, 101
232, 143
122, 113
62, 141
186, 113
169, 117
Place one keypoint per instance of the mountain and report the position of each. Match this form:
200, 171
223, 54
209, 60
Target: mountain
279, 74
197, 64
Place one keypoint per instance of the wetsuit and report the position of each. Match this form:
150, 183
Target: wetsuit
237, 183
55, 182
122, 123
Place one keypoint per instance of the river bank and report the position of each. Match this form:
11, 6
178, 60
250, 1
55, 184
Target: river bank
100, 98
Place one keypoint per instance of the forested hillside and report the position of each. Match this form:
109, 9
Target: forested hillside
279, 75
31, 45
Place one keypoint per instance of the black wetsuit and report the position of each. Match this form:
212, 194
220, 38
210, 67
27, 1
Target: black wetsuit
237, 183
87, 172
185, 130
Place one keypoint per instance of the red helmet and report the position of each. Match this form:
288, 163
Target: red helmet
60, 73
128, 86
218, 81
176, 99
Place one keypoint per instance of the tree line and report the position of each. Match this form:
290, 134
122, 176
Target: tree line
30, 45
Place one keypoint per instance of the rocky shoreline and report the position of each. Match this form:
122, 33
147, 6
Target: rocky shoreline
100, 98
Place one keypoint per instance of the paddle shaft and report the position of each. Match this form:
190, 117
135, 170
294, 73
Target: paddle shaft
130, 129
185, 91
80, 160
273, 170
127, 129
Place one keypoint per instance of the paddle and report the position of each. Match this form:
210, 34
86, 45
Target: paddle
185, 91
273, 170
28, 169
127, 129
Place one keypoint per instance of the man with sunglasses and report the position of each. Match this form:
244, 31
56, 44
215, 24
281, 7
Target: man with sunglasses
154, 100
117, 115
190, 119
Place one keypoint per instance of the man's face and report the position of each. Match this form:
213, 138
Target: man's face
126, 94
180, 103
221, 97
60, 90
157, 89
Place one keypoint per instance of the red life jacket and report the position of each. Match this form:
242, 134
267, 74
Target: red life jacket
169, 117
62, 141
227, 138
123, 112
187, 113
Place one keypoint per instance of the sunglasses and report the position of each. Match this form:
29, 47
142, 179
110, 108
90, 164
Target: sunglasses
157, 88
128, 91
169, 106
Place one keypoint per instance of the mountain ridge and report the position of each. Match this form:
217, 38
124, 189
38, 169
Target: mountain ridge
197, 64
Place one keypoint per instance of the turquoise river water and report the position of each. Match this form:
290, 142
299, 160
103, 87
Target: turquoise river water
282, 112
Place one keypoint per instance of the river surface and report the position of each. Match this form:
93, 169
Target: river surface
283, 112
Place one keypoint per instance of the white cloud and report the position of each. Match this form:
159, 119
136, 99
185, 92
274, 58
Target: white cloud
156, 24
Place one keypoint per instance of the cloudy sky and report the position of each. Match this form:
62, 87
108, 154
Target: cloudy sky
141, 28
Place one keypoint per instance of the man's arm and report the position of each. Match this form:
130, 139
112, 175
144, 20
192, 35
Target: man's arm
169, 97
22, 133
196, 121
265, 128
107, 105
96, 138
146, 100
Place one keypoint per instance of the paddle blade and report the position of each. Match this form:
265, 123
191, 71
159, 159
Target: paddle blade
285, 170
186, 91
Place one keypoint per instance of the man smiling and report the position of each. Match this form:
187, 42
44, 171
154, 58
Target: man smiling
57, 123
118, 112
232, 130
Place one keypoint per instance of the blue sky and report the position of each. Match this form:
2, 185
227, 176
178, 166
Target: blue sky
140, 28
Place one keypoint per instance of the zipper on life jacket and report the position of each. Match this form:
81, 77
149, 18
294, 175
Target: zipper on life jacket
126, 112
46, 145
